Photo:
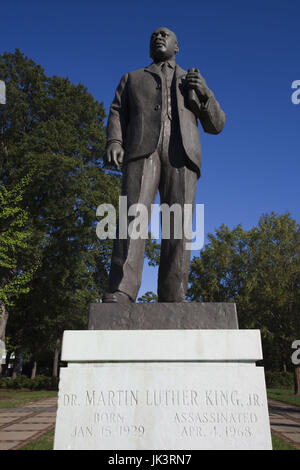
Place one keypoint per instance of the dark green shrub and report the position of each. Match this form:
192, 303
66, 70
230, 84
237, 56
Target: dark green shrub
279, 379
3, 382
21, 381
41, 382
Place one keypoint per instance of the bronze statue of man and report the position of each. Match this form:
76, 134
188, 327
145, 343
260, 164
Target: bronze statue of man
152, 131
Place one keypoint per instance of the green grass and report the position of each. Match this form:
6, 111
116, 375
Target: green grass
44, 442
281, 444
286, 396
14, 398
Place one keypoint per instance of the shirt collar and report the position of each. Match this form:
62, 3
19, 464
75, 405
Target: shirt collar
171, 63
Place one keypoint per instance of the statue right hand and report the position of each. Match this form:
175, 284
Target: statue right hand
115, 155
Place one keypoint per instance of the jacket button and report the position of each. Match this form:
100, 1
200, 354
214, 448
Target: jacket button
157, 107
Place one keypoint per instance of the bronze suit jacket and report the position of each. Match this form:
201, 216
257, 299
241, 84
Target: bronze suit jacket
135, 115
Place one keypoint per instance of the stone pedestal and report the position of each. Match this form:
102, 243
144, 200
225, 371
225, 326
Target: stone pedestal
163, 316
162, 389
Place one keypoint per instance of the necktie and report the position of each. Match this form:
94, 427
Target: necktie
166, 75
164, 69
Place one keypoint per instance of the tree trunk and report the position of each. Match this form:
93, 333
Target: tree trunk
297, 380
33, 370
3, 321
15, 367
56, 358
7, 360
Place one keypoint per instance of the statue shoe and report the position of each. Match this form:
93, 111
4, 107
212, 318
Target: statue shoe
116, 297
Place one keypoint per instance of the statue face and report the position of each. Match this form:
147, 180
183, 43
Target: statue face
163, 44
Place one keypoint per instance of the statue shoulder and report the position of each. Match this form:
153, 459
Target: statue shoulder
136, 73
133, 75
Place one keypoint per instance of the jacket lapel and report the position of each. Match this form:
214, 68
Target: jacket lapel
152, 68
180, 87
179, 75
179, 72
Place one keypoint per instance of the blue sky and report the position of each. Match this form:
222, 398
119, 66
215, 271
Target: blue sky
248, 54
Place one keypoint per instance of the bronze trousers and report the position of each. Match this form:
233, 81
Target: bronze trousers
167, 170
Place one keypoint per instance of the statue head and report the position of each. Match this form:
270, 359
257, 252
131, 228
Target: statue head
163, 44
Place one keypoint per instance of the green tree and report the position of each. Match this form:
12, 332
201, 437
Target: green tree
152, 251
55, 129
148, 297
16, 238
258, 269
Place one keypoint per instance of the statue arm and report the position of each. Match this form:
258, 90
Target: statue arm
118, 115
211, 116
204, 105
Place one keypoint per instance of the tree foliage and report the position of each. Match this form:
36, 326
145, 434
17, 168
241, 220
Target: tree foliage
148, 297
17, 263
55, 130
152, 251
258, 269
15, 240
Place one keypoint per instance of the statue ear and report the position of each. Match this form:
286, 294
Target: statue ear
176, 48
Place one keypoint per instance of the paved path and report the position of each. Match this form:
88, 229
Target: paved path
285, 421
21, 425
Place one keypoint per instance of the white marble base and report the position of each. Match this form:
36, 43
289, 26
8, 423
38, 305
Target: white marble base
188, 399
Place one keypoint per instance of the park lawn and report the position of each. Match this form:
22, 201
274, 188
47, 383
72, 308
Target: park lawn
284, 395
45, 442
15, 398
279, 443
